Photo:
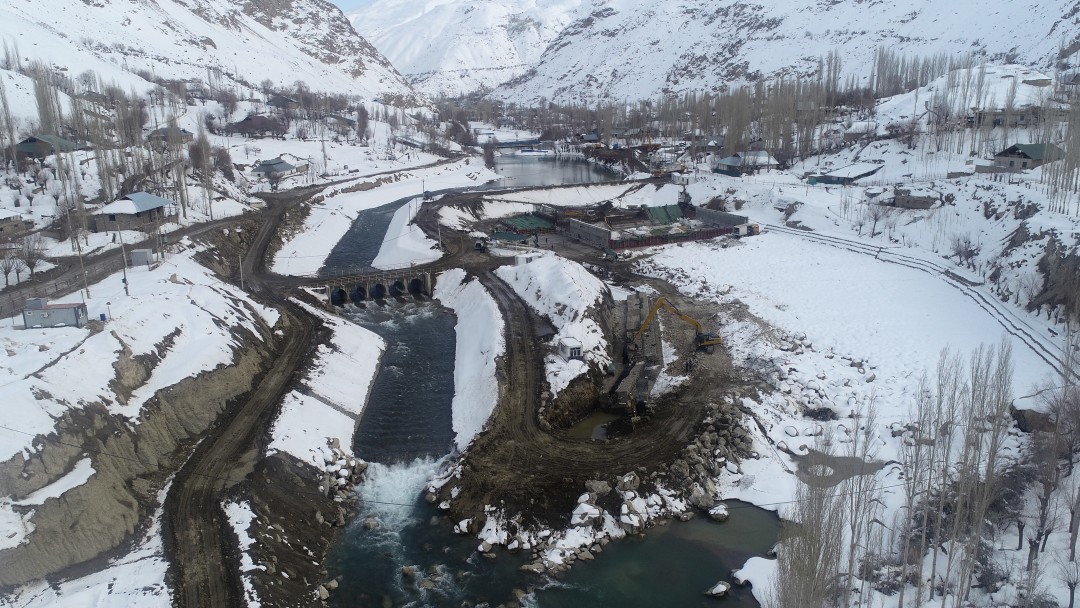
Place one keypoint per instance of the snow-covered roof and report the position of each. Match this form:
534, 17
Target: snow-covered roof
753, 158
7, 214
854, 170
136, 202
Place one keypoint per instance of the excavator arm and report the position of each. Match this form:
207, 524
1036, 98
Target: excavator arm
701, 339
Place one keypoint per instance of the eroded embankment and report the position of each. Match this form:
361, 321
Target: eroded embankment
131, 459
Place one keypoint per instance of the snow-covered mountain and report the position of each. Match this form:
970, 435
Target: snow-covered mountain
458, 46
619, 49
248, 41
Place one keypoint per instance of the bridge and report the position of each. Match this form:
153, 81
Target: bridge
374, 285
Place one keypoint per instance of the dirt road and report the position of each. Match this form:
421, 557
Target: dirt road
194, 521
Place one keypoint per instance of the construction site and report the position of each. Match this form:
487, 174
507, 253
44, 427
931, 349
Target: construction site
639, 326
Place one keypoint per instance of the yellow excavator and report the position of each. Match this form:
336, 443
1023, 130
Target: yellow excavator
702, 340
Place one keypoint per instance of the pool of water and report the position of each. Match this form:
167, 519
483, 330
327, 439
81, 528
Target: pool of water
671, 565
517, 171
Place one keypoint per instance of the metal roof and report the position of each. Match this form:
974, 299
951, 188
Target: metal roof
275, 164
1036, 151
136, 202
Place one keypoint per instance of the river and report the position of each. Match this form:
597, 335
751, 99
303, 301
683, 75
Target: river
400, 552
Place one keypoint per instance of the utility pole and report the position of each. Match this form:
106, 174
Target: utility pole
123, 256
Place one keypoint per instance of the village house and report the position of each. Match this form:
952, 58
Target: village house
39, 313
915, 198
848, 174
169, 136
744, 163
257, 125
277, 168
40, 146
283, 102
12, 224
1018, 157
134, 211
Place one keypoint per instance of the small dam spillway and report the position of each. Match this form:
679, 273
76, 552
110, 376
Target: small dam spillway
376, 286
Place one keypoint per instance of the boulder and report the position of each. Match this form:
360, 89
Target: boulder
628, 483
600, 488
719, 589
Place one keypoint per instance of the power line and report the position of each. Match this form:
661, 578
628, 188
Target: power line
412, 505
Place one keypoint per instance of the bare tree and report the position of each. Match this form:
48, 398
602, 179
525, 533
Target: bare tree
32, 251
810, 546
1068, 572
7, 264
20, 266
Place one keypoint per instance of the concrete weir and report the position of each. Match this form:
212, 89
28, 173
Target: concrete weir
378, 286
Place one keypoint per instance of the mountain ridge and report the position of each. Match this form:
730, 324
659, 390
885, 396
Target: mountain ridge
615, 49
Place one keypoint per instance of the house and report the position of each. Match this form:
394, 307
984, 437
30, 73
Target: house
847, 175
257, 125
283, 102
94, 97
39, 313
569, 348
277, 168
1027, 156
716, 143
40, 146
743, 163
133, 212
341, 123
859, 130
915, 198
12, 223
590, 138
169, 136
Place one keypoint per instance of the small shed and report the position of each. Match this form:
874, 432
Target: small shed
524, 258
142, 257
39, 313
570, 348
915, 198
133, 212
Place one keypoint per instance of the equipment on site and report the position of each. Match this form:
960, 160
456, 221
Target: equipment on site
702, 340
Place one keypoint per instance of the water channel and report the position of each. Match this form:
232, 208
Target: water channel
400, 552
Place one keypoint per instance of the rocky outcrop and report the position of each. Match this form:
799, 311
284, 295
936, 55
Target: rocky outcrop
131, 460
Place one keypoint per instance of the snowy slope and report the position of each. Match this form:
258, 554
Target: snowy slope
458, 46
247, 40
629, 49
566, 293
690, 44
